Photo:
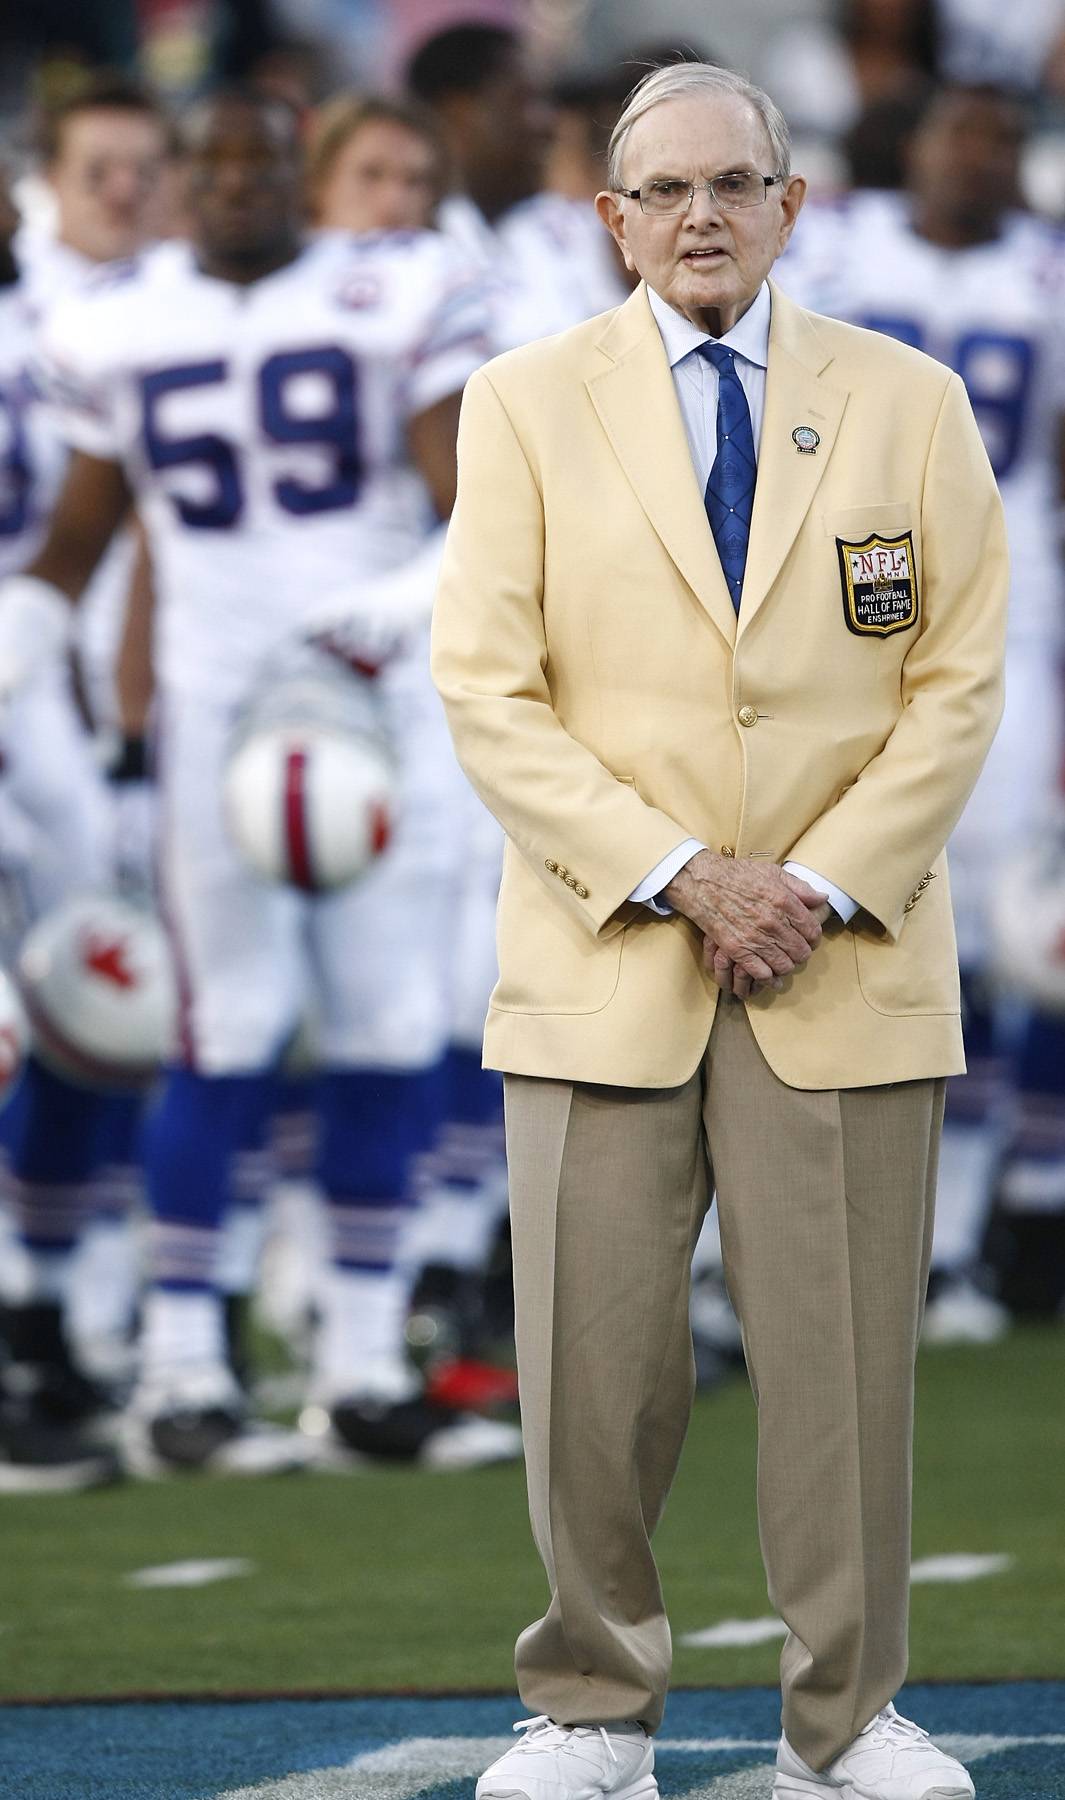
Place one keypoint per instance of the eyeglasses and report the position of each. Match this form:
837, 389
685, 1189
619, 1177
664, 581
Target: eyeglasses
737, 189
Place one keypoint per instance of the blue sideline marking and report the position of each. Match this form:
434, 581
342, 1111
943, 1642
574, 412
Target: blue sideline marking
714, 1746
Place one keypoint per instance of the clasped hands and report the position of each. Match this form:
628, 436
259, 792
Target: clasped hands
759, 923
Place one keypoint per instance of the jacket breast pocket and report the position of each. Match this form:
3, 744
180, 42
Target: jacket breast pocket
876, 516
876, 566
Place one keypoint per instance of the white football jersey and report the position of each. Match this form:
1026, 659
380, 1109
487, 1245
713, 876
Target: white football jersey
982, 40
31, 456
50, 269
545, 264
994, 314
262, 428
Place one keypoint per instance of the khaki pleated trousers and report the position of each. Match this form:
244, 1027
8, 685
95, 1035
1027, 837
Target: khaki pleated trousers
826, 1202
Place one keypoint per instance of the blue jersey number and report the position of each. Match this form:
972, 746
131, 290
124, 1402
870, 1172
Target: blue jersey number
997, 370
223, 500
334, 426
16, 474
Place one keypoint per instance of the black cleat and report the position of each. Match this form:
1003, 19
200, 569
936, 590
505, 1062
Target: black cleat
41, 1370
419, 1430
190, 1438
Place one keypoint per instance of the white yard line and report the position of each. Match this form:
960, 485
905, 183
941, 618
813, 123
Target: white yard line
197, 1572
735, 1634
958, 1568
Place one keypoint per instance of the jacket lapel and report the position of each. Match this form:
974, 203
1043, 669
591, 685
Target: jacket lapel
637, 407
795, 394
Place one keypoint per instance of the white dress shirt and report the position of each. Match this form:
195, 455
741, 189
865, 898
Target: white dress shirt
696, 382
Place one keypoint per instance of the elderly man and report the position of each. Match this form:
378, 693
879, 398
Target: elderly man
719, 633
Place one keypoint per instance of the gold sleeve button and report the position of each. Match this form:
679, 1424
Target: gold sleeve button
571, 881
747, 715
551, 867
581, 891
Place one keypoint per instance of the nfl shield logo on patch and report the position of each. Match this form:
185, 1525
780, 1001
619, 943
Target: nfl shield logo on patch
879, 581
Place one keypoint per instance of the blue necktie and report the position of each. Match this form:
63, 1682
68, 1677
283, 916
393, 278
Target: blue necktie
729, 497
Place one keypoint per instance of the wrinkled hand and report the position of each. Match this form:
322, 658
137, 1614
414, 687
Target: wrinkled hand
737, 982
759, 924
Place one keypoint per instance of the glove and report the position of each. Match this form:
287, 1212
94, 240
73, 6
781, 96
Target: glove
36, 628
368, 625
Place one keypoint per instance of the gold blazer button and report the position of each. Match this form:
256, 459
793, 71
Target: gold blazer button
727, 850
747, 715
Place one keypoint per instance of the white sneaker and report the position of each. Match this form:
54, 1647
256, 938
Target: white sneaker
959, 1312
892, 1759
573, 1762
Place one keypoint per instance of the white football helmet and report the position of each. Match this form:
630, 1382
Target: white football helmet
14, 1036
309, 787
99, 986
1028, 920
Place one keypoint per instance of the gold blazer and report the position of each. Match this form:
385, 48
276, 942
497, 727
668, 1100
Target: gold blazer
606, 702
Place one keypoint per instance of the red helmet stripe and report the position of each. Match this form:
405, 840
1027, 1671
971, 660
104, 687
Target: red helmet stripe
380, 828
296, 839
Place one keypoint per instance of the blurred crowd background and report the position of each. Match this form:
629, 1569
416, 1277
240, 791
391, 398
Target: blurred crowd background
848, 74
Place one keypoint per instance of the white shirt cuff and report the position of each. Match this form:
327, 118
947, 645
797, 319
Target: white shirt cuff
662, 874
840, 902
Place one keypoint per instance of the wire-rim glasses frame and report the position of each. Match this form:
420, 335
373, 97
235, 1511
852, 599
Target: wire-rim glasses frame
680, 196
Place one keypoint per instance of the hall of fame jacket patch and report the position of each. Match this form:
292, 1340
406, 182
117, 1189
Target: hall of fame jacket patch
879, 581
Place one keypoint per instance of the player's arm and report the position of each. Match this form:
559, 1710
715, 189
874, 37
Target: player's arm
134, 681
431, 439
94, 501
35, 607
1054, 67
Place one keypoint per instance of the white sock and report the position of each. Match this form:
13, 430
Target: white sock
454, 1227
49, 1275
240, 1243
360, 1342
968, 1158
180, 1329
708, 1244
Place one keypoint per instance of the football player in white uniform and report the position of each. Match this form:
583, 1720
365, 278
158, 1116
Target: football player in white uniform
68, 1154
954, 267
541, 251
284, 416
541, 262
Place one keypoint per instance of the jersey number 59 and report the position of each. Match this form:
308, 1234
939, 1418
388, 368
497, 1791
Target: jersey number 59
997, 369
334, 429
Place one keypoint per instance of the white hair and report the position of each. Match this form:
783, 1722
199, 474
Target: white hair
697, 78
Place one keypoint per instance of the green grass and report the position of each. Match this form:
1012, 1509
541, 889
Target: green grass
401, 1579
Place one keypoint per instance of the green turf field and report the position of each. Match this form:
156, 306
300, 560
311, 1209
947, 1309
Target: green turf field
402, 1579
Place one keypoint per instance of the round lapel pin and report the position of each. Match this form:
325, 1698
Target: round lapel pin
805, 439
